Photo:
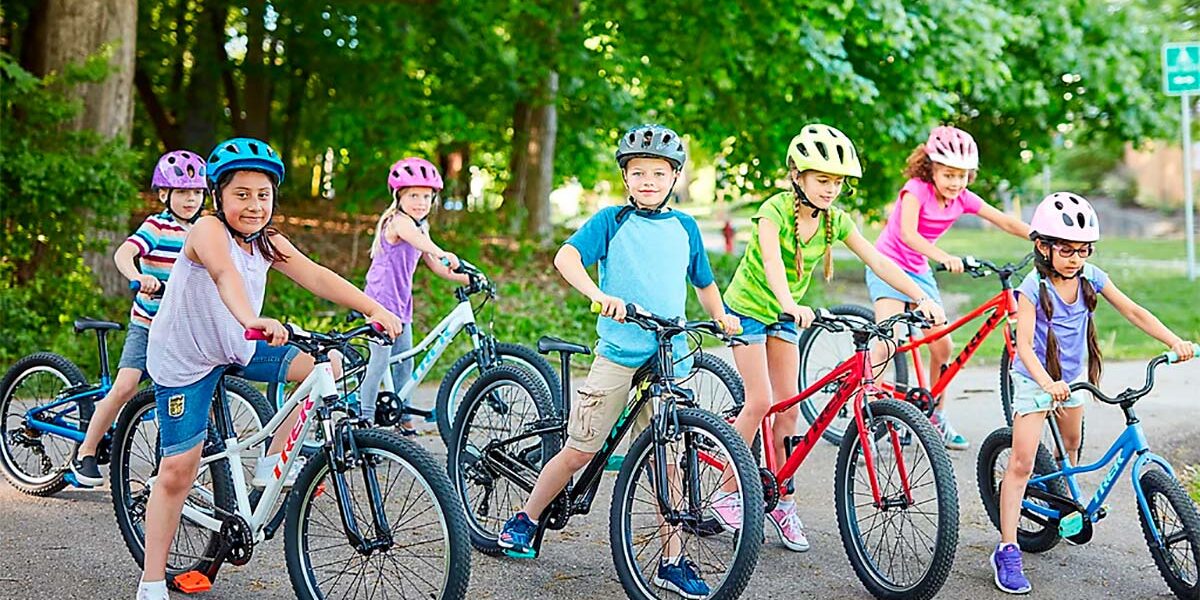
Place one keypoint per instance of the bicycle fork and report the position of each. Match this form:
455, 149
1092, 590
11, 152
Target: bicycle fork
343, 456
866, 439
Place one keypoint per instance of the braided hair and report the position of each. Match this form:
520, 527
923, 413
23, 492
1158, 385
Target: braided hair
798, 204
1045, 270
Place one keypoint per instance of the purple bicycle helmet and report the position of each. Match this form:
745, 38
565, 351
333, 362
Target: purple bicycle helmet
179, 169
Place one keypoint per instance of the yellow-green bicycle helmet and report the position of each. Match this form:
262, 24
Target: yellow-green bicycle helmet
822, 148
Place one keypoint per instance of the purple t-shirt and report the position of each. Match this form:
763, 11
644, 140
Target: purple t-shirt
932, 222
389, 280
1070, 323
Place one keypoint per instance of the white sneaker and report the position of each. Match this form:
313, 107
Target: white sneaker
264, 471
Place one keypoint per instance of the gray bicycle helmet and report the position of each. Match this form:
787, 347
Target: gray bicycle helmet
653, 141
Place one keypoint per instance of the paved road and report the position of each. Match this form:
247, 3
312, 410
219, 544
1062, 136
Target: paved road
68, 546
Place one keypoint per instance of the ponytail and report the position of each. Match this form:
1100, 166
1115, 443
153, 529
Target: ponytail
1095, 358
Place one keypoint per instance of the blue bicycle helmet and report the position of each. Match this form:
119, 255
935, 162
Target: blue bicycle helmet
244, 154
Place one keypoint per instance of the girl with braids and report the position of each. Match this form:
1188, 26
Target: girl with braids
935, 195
1055, 332
793, 231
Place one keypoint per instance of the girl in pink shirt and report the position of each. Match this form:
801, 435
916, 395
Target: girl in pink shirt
935, 195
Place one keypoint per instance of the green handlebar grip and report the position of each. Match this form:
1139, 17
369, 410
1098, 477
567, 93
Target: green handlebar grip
597, 307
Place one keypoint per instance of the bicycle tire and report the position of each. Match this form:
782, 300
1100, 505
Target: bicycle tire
725, 405
448, 394
464, 464
426, 474
52, 479
811, 373
623, 511
1032, 537
945, 539
1157, 484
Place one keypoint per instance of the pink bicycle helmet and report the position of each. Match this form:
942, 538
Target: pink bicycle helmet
179, 170
952, 147
414, 172
1065, 216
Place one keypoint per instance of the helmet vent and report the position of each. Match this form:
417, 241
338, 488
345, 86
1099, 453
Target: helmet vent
191, 171
253, 147
1058, 205
171, 160
802, 149
822, 150
1074, 199
1079, 218
666, 138
186, 155
1067, 220
841, 154
232, 148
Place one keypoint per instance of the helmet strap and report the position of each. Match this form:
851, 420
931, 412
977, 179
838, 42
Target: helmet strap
176, 216
796, 189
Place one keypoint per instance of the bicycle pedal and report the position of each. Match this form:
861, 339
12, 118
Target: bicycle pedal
509, 552
192, 582
70, 478
1070, 525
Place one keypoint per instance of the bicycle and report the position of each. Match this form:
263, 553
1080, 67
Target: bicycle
816, 346
222, 522
1053, 507
486, 353
883, 434
507, 426
46, 403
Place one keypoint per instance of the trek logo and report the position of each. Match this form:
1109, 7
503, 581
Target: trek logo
432, 355
612, 435
1111, 476
295, 435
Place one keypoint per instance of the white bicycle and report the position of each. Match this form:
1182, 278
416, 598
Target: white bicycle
371, 515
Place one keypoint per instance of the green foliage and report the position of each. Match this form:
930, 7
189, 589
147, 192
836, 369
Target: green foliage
57, 186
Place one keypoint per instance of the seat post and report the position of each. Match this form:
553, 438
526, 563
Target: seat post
102, 344
565, 374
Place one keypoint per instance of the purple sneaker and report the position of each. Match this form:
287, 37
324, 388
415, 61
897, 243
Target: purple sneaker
1010, 576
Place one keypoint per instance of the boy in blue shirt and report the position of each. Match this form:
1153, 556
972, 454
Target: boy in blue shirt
646, 253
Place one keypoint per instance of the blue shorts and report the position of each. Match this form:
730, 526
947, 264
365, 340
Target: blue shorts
133, 353
878, 288
183, 411
756, 332
1029, 397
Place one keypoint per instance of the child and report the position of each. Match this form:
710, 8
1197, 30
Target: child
179, 180
214, 294
646, 253
1055, 332
936, 194
793, 230
401, 238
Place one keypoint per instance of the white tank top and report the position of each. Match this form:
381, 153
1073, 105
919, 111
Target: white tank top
194, 332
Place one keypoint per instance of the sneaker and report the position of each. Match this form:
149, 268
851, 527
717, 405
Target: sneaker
681, 578
1010, 576
86, 471
153, 591
728, 511
264, 471
790, 529
952, 438
517, 534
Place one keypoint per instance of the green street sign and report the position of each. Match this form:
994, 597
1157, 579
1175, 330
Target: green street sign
1181, 68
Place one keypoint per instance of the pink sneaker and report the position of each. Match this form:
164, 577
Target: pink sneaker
728, 511
791, 530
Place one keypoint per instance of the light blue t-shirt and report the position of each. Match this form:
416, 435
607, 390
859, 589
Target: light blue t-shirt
647, 259
1070, 323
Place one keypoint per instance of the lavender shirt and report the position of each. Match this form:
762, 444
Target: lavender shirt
389, 280
1070, 323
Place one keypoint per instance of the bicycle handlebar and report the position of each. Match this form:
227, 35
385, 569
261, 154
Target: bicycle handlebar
834, 323
136, 287
978, 267
664, 326
1130, 395
311, 341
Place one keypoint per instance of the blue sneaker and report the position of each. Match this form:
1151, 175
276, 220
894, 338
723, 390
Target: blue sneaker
681, 578
517, 535
1010, 576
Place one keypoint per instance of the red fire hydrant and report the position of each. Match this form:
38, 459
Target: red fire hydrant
727, 231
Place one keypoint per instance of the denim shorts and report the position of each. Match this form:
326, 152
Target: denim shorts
183, 411
133, 353
756, 332
1029, 397
878, 288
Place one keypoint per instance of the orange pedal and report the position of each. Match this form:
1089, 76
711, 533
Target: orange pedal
192, 582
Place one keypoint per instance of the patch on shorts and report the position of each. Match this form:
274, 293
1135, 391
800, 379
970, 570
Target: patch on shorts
175, 406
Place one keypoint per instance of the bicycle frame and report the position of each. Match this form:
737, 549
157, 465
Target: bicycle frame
436, 341
57, 424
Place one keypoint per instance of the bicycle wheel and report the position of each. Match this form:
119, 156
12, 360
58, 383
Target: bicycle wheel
499, 406
638, 535
135, 460
820, 353
904, 548
716, 385
36, 462
1034, 533
1176, 548
424, 553
1006, 400
465, 372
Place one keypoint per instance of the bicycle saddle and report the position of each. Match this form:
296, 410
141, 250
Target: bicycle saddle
86, 324
547, 344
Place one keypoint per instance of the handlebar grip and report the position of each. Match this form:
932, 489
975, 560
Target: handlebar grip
786, 318
1172, 357
255, 335
135, 285
596, 308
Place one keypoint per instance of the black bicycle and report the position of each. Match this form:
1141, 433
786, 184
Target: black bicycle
676, 467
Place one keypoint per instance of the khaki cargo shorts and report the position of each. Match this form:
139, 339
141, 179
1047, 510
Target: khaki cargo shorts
602, 398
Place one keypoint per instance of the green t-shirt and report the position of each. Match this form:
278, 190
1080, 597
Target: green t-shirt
748, 294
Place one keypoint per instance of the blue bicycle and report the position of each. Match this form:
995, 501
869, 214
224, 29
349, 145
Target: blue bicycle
1054, 507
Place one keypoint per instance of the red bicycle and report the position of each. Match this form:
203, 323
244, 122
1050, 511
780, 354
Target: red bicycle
821, 351
894, 489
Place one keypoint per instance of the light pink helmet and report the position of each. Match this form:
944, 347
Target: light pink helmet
1065, 216
414, 172
952, 147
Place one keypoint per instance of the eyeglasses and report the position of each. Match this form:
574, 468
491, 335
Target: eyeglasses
1068, 252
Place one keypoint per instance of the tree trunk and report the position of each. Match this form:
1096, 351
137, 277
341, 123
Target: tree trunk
258, 86
70, 32
512, 209
540, 175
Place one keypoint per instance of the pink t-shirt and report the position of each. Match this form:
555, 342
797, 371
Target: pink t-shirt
932, 222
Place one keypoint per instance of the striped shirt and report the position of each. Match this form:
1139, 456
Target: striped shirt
159, 241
